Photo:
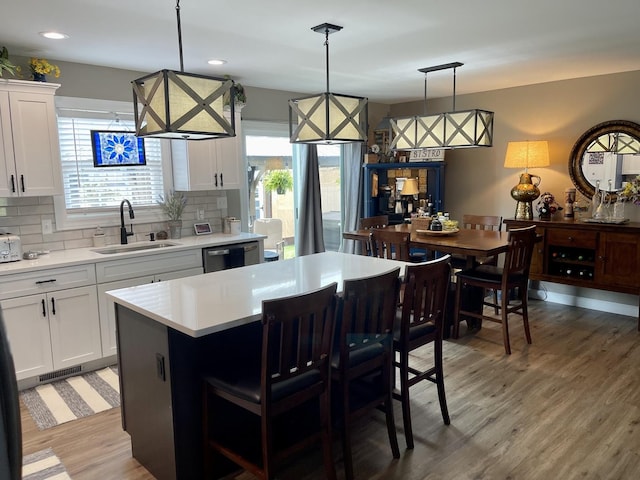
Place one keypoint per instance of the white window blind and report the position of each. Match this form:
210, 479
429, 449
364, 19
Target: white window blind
91, 189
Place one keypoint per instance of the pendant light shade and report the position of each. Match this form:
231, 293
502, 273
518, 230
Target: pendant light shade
178, 105
455, 129
328, 117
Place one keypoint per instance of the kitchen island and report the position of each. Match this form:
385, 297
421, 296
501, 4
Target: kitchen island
170, 333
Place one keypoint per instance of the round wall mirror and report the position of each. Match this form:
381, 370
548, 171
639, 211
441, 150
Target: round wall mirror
606, 155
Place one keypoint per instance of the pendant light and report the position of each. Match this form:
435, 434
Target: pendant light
179, 105
328, 117
455, 129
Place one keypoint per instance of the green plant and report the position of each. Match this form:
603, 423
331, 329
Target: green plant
239, 94
172, 204
6, 64
279, 180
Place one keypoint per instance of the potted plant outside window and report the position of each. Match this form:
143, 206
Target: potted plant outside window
172, 205
279, 180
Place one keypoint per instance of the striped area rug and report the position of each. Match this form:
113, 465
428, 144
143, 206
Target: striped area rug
73, 397
43, 465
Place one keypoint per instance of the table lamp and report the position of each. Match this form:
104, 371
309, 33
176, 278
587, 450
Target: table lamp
409, 189
526, 155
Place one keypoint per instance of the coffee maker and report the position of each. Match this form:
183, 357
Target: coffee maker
386, 200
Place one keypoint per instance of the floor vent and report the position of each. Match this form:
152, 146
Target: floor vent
60, 373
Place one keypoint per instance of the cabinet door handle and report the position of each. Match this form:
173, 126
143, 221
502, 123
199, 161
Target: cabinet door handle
570, 239
215, 179
44, 309
22, 183
221, 181
51, 280
13, 184
53, 305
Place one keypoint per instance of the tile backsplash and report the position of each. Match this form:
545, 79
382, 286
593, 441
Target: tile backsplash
24, 217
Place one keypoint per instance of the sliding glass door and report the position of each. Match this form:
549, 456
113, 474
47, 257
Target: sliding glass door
273, 182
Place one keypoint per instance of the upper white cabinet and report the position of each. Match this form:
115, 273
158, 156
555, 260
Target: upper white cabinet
208, 164
29, 146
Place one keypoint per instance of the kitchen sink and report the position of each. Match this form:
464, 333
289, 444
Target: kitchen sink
134, 247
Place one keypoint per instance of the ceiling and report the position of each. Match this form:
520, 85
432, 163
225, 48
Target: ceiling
270, 44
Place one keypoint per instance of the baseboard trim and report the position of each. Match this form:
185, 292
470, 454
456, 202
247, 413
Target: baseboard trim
590, 303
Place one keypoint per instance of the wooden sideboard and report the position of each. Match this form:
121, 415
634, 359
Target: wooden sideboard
593, 255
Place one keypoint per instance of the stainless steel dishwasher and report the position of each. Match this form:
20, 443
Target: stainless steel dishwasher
228, 256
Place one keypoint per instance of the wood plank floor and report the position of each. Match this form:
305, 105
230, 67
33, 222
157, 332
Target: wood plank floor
565, 407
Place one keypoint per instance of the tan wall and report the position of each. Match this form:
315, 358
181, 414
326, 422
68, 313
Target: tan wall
475, 179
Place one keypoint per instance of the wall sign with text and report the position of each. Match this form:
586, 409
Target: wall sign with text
426, 155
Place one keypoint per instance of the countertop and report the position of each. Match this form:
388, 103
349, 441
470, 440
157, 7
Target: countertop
217, 301
76, 256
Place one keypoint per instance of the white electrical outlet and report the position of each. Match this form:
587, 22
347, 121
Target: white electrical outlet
47, 226
201, 214
222, 202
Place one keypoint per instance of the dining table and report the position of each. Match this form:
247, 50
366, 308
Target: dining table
470, 243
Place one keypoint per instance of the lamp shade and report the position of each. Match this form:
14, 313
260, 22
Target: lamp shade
527, 154
410, 187
328, 118
179, 105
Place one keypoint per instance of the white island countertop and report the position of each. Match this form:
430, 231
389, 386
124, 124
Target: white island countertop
217, 301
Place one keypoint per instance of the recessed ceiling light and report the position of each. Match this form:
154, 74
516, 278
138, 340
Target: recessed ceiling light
216, 62
54, 35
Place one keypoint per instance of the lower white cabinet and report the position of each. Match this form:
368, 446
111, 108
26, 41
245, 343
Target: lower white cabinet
107, 310
53, 331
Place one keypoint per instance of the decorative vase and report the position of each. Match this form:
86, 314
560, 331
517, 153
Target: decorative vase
175, 228
281, 191
524, 193
39, 77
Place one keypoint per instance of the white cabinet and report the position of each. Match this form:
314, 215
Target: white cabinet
29, 145
138, 271
208, 164
50, 325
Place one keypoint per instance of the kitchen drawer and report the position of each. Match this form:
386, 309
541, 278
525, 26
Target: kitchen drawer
47, 280
114, 270
572, 238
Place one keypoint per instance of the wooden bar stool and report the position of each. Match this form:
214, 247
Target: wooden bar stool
362, 359
294, 372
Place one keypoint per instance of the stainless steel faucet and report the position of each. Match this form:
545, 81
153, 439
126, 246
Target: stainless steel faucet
123, 230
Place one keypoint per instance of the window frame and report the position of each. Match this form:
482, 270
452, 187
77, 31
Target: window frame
66, 220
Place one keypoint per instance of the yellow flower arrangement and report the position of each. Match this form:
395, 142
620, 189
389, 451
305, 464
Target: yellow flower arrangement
43, 67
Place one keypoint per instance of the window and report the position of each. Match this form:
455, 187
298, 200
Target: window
268, 148
92, 195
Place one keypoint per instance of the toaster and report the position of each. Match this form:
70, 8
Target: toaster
10, 248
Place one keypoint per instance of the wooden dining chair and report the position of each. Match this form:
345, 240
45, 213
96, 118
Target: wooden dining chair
297, 333
482, 222
513, 276
421, 322
479, 222
379, 221
390, 244
361, 362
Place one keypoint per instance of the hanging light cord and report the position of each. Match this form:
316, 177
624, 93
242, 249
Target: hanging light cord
454, 89
179, 35
425, 93
326, 45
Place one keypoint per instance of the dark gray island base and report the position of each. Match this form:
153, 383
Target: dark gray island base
160, 385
